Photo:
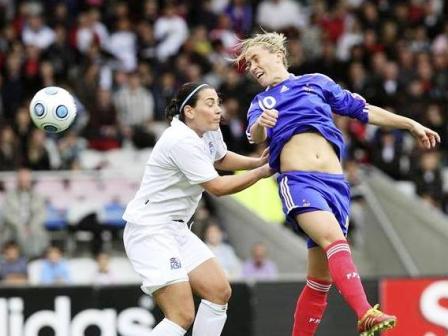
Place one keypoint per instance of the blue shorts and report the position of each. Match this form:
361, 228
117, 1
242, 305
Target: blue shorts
302, 192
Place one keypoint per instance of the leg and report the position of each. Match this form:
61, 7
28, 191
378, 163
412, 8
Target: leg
176, 303
323, 228
209, 282
312, 301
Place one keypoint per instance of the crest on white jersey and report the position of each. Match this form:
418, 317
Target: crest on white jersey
267, 103
211, 148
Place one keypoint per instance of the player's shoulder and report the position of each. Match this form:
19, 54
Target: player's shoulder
176, 135
213, 135
317, 77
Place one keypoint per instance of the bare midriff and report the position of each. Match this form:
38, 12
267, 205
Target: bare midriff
309, 151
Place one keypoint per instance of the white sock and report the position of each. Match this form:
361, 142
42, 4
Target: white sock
167, 328
210, 319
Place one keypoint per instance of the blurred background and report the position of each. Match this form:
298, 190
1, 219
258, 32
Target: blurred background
62, 195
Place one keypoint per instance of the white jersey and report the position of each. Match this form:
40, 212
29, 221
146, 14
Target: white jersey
179, 162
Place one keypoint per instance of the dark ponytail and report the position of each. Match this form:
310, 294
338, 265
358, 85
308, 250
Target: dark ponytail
181, 100
172, 109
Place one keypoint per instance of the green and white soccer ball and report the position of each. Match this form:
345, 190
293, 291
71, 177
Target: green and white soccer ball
53, 109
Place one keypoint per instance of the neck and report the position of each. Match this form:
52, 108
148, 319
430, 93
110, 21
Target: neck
196, 129
280, 77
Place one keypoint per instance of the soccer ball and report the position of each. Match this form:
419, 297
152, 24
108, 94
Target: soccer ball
53, 109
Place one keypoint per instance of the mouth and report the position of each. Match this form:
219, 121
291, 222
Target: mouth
259, 75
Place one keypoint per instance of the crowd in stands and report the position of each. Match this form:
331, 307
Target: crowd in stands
122, 60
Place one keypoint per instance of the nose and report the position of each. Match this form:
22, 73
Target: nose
252, 69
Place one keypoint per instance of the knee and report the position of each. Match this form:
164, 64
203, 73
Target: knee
184, 317
226, 294
221, 294
320, 277
329, 238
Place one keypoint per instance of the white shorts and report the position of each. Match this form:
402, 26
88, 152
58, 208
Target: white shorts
163, 256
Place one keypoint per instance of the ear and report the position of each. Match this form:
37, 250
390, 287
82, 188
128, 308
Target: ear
189, 112
279, 55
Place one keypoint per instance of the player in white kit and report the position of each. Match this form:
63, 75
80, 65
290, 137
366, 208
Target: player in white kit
172, 261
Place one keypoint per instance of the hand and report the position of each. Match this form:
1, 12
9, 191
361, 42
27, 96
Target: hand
425, 136
264, 157
268, 118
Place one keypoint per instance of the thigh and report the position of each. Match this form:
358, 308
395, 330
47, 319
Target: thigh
318, 264
176, 303
155, 256
209, 282
193, 251
321, 226
173, 297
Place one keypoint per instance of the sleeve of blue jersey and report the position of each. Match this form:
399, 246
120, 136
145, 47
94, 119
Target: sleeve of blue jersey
346, 103
252, 116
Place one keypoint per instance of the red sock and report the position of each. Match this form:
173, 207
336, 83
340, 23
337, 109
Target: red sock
345, 276
310, 307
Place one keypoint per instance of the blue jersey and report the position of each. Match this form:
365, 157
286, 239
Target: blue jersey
305, 104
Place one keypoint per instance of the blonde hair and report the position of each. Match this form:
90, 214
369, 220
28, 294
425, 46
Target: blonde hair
274, 42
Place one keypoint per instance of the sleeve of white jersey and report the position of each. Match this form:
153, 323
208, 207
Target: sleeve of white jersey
221, 147
189, 156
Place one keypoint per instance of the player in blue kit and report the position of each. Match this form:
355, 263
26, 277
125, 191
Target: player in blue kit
295, 116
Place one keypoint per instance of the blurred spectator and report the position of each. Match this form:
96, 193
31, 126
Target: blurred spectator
13, 266
171, 31
213, 237
54, 269
36, 33
203, 13
103, 275
258, 266
13, 87
389, 88
223, 32
24, 216
150, 11
102, 130
70, 147
348, 39
123, 45
30, 70
91, 31
60, 55
22, 127
334, 22
311, 37
9, 149
435, 119
388, 153
37, 156
146, 42
280, 15
296, 56
135, 108
240, 13
233, 128
428, 178
163, 91
218, 6
199, 41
